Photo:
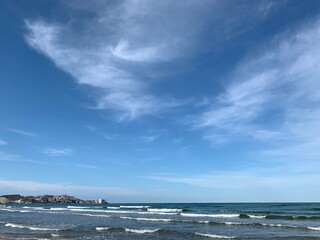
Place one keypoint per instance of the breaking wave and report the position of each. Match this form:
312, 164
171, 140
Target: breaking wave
141, 231
150, 219
78, 207
31, 227
214, 236
102, 228
314, 228
134, 207
93, 215
210, 215
114, 208
164, 210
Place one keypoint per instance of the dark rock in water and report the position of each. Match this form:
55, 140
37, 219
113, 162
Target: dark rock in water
63, 199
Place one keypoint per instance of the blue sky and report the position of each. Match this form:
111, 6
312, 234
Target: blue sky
161, 101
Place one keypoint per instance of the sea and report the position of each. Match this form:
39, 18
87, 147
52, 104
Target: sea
162, 221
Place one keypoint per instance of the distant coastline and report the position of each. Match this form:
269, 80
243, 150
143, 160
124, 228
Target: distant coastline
46, 199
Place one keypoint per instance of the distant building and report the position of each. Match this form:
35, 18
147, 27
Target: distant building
101, 201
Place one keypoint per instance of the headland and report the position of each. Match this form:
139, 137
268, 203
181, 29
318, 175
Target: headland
49, 199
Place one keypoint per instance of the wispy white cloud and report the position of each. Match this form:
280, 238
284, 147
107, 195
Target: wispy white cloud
107, 136
22, 132
4, 156
58, 151
150, 159
8, 156
3, 142
149, 138
276, 183
116, 49
273, 95
86, 166
91, 128
121, 89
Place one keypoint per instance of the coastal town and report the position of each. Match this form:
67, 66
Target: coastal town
46, 199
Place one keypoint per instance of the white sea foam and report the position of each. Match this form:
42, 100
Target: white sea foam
55, 235
314, 228
234, 223
140, 212
9, 210
141, 230
113, 208
55, 209
186, 221
80, 207
85, 210
37, 208
14, 210
150, 219
278, 225
112, 211
121, 211
99, 210
210, 215
31, 227
214, 236
256, 216
164, 210
32, 207
158, 213
93, 215
206, 222
134, 207
102, 228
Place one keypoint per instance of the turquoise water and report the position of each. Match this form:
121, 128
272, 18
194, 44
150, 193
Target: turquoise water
162, 221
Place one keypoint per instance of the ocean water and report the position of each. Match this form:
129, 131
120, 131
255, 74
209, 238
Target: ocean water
162, 221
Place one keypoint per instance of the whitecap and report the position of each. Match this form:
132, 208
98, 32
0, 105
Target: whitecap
55, 209
214, 236
210, 215
80, 207
102, 228
120, 211
190, 221
157, 213
9, 210
134, 207
165, 210
30, 227
234, 223
37, 208
85, 210
141, 230
257, 216
149, 219
93, 215
314, 228
278, 225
